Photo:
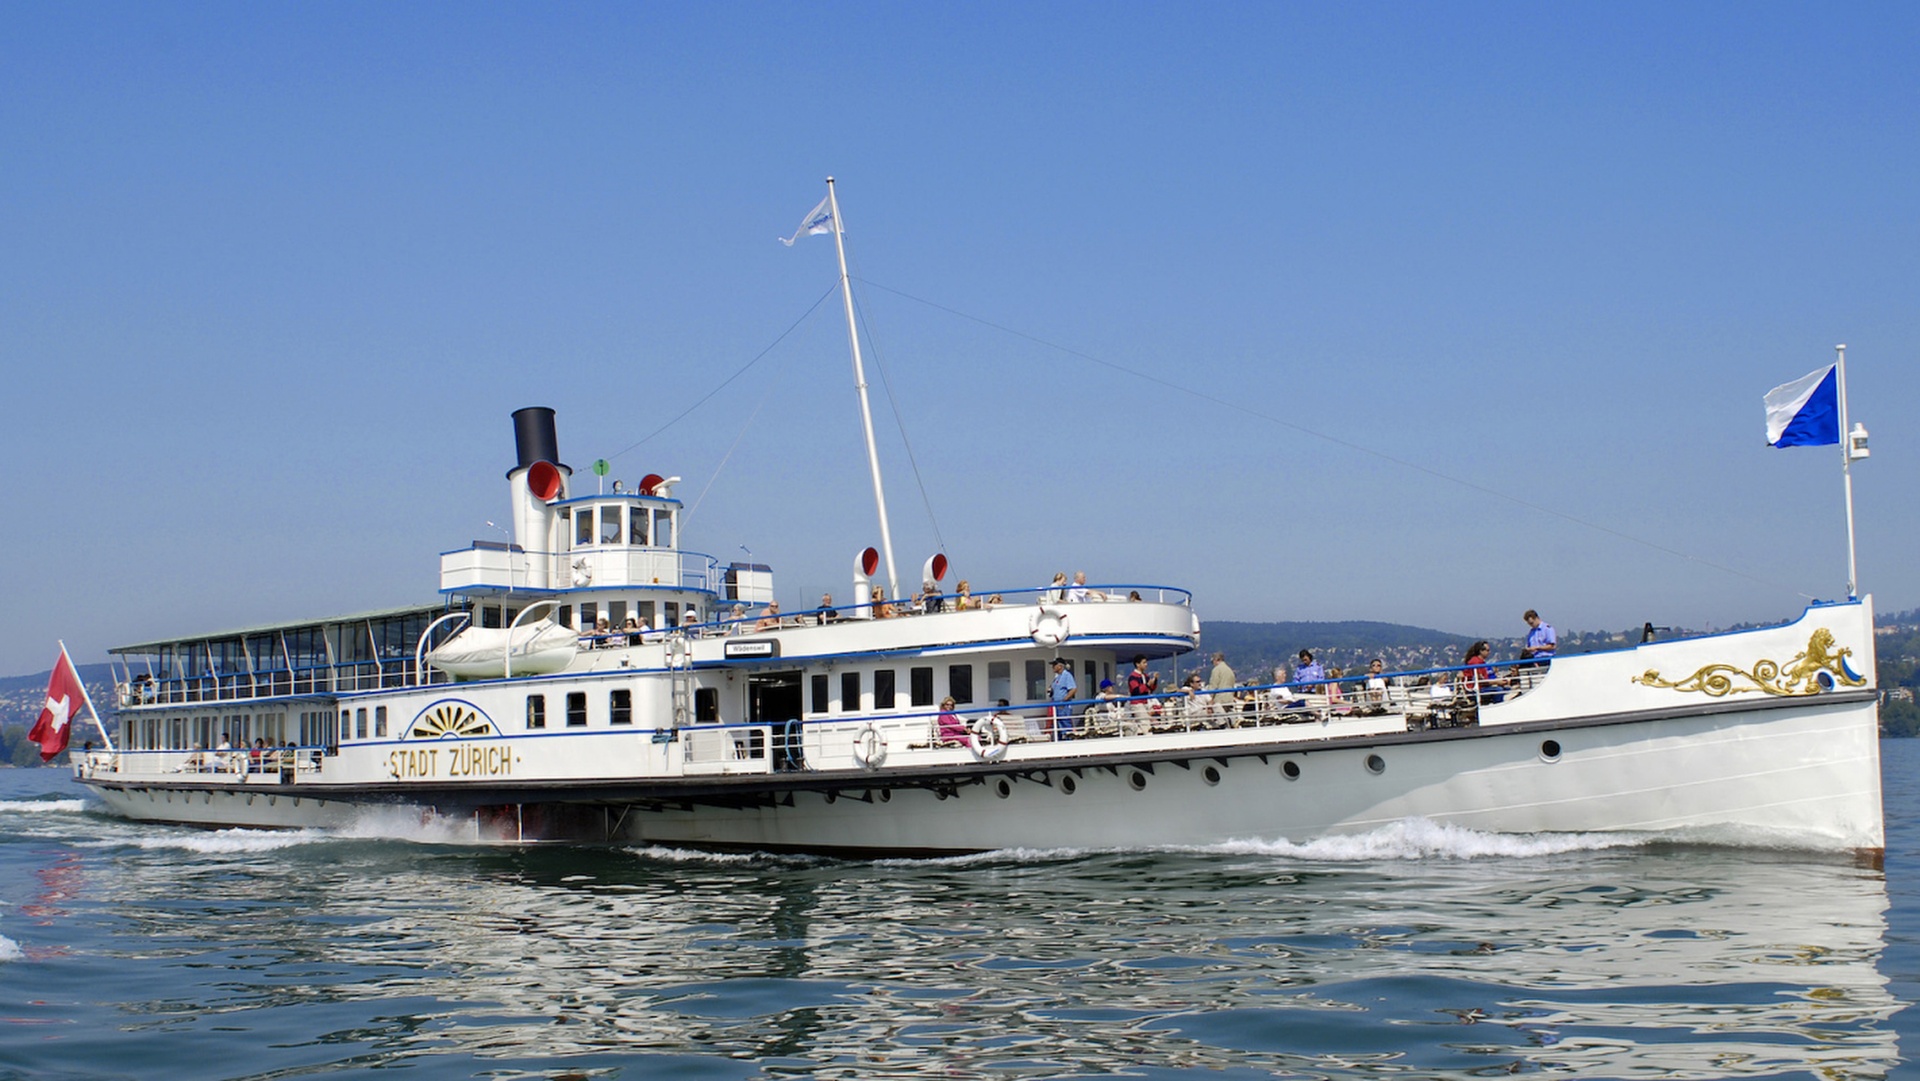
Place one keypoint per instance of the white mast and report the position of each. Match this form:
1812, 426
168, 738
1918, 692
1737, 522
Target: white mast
1846, 470
866, 413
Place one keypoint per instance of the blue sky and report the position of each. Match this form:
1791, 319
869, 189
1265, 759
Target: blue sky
1243, 292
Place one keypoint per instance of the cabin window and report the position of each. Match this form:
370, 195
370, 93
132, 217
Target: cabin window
960, 683
646, 614
850, 692
883, 689
999, 681
609, 525
346, 723
380, 722
583, 526
920, 685
1089, 684
620, 706
566, 615
489, 616
663, 528
637, 527
589, 615
536, 711
576, 709
617, 614
359, 724
1036, 681
673, 615
706, 705
819, 686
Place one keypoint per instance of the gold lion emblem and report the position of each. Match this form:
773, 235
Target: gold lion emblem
1820, 667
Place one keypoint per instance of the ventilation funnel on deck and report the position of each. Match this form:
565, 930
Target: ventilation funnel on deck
533, 436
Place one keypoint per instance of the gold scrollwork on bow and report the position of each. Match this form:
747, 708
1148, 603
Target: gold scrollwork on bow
1819, 668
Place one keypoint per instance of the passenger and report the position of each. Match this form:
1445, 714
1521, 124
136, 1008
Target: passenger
1308, 676
1133, 594
1376, 682
257, 758
1478, 678
1221, 677
963, 597
1333, 686
1057, 591
951, 729
993, 602
602, 628
771, 620
827, 614
882, 609
1077, 592
930, 599
1060, 692
1541, 641
736, 620
223, 754
1140, 682
629, 634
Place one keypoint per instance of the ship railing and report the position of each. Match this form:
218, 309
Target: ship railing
281, 764
755, 618
320, 679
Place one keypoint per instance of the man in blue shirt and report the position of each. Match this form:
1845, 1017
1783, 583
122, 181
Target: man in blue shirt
1307, 675
1540, 637
1061, 691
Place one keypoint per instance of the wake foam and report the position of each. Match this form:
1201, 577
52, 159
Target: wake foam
1424, 839
225, 842
43, 806
409, 824
9, 950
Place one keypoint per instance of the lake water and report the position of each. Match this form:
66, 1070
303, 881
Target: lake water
153, 952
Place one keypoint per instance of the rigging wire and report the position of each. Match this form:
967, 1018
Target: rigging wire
687, 515
900, 422
1242, 407
757, 357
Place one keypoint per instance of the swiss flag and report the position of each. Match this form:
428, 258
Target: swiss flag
64, 696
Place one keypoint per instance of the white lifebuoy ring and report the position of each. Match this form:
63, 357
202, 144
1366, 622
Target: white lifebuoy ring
1048, 625
990, 740
870, 747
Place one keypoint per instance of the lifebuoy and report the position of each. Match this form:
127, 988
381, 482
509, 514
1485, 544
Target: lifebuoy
990, 740
870, 747
1048, 625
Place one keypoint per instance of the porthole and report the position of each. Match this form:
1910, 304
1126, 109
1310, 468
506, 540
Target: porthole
1003, 789
1137, 779
1550, 750
886, 795
831, 796
1376, 764
1211, 775
1068, 784
1290, 770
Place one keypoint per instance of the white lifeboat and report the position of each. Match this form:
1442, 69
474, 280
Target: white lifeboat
481, 652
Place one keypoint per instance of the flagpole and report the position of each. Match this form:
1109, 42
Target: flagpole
88, 699
1846, 471
866, 412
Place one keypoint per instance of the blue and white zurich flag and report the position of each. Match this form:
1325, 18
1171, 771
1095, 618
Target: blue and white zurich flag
1805, 412
819, 220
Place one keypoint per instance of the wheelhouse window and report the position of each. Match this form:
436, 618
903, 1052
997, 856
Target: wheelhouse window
637, 527
610, 524
663, 528
576, 709
583, 525
920, 685
883, 688
620, 706
536, 711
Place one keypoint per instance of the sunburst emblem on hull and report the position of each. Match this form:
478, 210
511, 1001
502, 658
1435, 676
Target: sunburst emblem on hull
450, 717
1819, 668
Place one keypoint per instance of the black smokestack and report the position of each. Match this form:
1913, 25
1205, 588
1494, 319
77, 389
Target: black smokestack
533, 438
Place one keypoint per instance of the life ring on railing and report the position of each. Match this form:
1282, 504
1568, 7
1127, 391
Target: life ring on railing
1048, 625
870, 747
990, 740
